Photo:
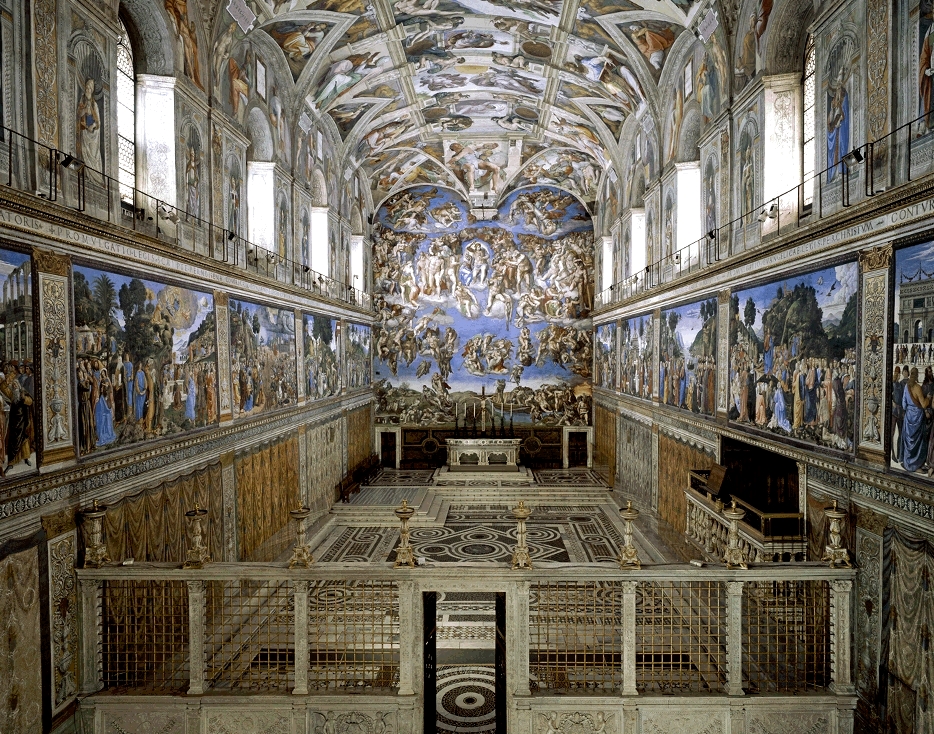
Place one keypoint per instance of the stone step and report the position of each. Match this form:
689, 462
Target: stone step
429, 507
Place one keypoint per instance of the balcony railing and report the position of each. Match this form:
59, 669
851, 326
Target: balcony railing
341, 628
58, 177
868, 170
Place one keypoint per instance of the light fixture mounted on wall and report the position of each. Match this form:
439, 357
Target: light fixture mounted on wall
853, 158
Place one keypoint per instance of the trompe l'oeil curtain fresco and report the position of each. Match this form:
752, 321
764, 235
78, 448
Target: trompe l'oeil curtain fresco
151, 525
267, 489
911, 624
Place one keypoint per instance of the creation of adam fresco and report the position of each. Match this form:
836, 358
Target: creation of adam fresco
472, 310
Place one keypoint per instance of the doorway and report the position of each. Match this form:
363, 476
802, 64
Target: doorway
387, 449
465, 662
577, 449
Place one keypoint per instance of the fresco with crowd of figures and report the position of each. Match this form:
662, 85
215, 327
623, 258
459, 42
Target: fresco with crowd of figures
605, 362
636, 340
687, 366
357, 356
262, 357
912, 394
145, 359
496, 309
793, 356
322, 356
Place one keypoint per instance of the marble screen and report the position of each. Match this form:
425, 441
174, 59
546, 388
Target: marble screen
145, 359
493, 312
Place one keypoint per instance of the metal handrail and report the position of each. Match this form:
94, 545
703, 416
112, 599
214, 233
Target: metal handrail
62, 178
706, 251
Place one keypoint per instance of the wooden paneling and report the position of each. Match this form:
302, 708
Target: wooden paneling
604, 459
359, 437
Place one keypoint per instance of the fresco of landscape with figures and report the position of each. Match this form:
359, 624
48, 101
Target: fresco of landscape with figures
357, 356
605, 356
322, 357
145, 359
793, 356
496, 309
636, 341
912, 393
262, 358
687, 367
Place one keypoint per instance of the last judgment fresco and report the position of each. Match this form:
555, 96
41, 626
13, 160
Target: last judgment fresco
793, 356
487, 314
145, 359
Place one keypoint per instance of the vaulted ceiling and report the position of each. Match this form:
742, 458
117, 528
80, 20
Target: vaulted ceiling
478, 95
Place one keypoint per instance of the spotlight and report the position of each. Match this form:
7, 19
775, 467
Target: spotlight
712, 235
773, 210
676, 258
68, 160
305, 268
249, 250
854, 157
230, 235
763, 215
272, 257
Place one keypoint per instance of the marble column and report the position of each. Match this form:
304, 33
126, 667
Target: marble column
873, 419
55, 412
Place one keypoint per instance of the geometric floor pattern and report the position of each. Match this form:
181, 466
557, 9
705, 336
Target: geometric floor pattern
567, 477
402, 477
466, 699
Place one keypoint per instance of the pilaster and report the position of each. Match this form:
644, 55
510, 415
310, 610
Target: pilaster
723, 354
410, 633
56, 409
517, 636
229, 489
155, 137
299, 356
300, 601
196, 638
874, 419
628, 635
222, 319
734, 638
89, 665
841, 681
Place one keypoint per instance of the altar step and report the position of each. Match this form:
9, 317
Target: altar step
532, 496
375, 506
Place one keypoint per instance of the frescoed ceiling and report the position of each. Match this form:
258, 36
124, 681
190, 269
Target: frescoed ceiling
478, 95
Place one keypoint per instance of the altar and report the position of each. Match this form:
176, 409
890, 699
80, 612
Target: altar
483, 454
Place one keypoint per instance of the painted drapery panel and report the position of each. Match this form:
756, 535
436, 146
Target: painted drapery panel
912, 394
262, 357
322, 374
793, 356
357, 355
605, 364
145, 359
467, 307
687, 372
636, 341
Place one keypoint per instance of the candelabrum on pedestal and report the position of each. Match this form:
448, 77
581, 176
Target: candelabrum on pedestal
734, 557
404, 555
198, 553
835, 552
628, 555
95, 552
301, 553
520, 555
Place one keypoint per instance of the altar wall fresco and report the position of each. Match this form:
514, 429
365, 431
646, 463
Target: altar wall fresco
498, 308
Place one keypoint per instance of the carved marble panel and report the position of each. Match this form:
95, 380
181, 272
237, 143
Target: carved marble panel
351, 722
249, 722
576, 722
773, 722
872, 412
683, 723
144, 722
46, 70
63, 610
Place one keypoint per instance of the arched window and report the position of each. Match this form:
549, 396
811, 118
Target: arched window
808, 151
126, 115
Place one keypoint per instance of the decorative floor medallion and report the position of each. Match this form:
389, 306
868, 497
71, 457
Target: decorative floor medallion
466, 699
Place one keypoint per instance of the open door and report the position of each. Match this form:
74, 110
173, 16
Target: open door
500, 681
430, 623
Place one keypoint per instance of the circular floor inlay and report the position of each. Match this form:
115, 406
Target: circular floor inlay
466, 699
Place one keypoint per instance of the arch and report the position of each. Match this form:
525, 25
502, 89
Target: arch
152, 39
787, 36
262, 148
319, 188
690, 134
